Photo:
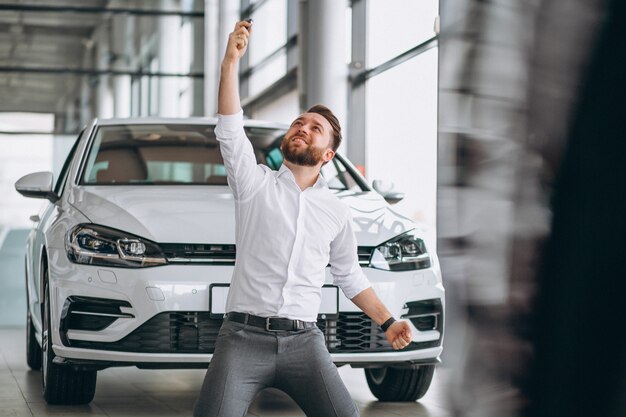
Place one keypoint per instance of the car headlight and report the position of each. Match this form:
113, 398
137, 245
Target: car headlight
98, 245
402, 253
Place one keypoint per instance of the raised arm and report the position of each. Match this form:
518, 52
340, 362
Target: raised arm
244, 175
228, 101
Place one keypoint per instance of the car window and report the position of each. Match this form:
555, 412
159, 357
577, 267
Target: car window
154, 154
58, 187
274, 158
146, 154
338, 177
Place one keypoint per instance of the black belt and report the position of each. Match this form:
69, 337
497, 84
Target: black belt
271, 324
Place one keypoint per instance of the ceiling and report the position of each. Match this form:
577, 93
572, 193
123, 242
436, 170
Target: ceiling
36, 45
47, 50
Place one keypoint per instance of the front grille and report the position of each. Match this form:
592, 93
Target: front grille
196, 332
353, 332
173, 332
365, 253
199, 253
224, 254
357, 333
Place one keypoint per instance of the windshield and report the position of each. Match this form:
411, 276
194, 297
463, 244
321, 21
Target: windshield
151, 154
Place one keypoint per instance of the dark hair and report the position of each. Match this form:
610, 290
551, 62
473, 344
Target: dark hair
332, 119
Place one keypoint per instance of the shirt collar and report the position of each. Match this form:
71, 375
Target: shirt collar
283, 168
319, 183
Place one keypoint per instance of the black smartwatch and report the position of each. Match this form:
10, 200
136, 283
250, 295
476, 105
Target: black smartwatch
388, 323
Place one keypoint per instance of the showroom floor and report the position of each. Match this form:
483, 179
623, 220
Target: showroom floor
135, 393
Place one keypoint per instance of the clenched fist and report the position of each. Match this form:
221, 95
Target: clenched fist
399, 334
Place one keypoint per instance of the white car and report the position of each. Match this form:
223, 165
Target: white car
130, 261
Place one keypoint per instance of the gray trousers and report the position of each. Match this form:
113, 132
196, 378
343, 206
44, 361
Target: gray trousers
248, 359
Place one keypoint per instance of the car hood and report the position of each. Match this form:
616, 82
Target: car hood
200, 214
373, 219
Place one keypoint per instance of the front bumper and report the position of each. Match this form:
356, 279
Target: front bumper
162, 309
99, 359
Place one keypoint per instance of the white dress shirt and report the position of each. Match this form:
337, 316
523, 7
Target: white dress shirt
285, 237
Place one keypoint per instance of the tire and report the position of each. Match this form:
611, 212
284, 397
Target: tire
391, 384
33, 350
62, 384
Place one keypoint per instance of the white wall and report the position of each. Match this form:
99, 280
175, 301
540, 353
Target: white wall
21, 154
402, 133
284, 110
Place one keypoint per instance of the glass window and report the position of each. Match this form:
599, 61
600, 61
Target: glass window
267, 39
66, 166
153, 89
153, 154
283, 109
401, 131
271, 34
146, 154
338, 177
396, 26
267, 74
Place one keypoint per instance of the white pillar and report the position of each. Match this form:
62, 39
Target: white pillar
86, 111
198, 62
70, 119
211, 59
85, 108
121, 93
104, 107
324, 72
220, 17
169, 37
122, 42
228, 15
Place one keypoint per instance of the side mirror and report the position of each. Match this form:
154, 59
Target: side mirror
386, 189
37, 185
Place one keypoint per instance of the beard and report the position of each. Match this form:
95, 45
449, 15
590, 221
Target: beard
307, 156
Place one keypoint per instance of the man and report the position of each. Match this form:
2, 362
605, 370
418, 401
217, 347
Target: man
289, 227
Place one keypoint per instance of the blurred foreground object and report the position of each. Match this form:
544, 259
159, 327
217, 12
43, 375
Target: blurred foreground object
530, 205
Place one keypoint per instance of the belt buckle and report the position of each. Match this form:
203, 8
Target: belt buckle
267, 325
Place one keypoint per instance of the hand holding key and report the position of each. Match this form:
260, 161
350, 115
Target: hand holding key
238, 40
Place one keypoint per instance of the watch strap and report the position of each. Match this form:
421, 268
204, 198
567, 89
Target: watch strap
388, 323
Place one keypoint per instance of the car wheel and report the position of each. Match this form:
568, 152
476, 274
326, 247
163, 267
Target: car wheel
33, 350
62, 384
391, 384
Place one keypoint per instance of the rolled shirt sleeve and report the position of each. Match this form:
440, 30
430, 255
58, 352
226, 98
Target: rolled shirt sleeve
244, 174
344, 261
